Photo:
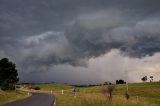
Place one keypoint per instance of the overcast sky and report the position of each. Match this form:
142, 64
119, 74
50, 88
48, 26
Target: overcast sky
81, 41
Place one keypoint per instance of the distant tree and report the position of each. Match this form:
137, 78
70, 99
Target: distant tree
151, 78
117, 81
106, 83
144, 79
8, 74
120, 81
109, 83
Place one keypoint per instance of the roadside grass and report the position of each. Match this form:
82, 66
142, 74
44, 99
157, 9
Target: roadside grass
10, 96
93, 99
141, 94
149, 91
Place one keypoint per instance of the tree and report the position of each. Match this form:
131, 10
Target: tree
120, 81
105, 83
8, 74
144, 79
151, 77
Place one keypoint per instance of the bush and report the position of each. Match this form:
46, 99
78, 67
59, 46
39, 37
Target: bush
126, 95
5, 86
110, 90
36, 88
18, 87
30, 87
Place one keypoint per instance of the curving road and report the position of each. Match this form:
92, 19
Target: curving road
37, 99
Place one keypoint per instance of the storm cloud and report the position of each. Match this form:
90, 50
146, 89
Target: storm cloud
53, 35
99, 32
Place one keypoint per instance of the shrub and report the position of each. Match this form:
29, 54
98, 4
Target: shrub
18, 87
5, 86
110, 90
126, 95
36, 88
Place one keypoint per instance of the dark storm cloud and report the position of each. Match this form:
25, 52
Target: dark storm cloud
37, 34
21, 18
95, 33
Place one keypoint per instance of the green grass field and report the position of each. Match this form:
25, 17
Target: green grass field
147, 93
54, 87
141, 94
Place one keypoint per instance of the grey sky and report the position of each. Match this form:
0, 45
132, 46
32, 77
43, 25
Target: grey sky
58, 40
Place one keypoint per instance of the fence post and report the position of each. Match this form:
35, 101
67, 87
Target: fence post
28, 93
127, 87
137, 98
62, 92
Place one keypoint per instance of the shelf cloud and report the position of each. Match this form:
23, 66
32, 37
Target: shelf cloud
53, 35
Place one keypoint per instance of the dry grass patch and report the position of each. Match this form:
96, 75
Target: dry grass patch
96, 99
10, 96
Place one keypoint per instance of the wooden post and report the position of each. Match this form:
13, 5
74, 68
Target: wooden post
62, 92
127, 87
137, 98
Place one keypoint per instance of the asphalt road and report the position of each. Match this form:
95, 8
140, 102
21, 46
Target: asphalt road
37, 99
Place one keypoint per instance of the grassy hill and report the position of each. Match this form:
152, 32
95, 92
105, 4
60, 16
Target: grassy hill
54, 87
141, 94
148, 91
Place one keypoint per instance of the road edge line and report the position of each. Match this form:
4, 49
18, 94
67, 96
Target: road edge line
54, 104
